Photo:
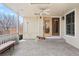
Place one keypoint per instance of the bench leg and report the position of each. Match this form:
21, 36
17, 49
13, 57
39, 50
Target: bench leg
13, 46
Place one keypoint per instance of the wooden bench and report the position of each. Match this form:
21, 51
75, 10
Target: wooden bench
42, 38
7, 45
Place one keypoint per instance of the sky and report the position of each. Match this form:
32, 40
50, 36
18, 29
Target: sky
6, 10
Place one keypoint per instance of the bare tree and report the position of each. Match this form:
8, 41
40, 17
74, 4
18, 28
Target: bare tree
7, 22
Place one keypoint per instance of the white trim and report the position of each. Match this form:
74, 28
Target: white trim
70, 11
65, 22
59, 23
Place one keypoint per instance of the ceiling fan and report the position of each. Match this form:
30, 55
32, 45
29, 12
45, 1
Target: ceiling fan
42, 11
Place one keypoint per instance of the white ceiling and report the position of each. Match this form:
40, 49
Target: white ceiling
56, 9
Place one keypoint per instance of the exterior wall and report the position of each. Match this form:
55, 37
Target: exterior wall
73, 40
32, 27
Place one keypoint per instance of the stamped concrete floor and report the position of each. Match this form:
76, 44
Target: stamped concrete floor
48, 47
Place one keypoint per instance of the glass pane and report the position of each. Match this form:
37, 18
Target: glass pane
72, 29
57, 26
68, 19
68, 29
72, 17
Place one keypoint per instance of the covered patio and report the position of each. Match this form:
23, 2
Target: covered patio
57, 22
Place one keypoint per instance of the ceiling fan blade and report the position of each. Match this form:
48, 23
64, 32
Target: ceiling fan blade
46, 13
47, 10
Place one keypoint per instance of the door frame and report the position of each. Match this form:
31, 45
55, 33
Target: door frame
58, 26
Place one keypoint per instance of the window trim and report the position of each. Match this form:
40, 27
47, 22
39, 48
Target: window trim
71, 31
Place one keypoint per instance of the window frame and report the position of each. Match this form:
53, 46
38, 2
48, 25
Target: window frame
70, 21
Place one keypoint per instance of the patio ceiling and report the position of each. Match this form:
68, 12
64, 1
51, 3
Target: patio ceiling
56, 9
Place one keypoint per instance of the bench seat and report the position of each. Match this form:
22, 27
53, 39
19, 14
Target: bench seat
6, 45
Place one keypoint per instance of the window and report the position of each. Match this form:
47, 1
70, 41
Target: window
70, 23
